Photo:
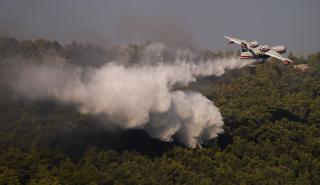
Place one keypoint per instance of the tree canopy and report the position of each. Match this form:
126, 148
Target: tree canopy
272, 130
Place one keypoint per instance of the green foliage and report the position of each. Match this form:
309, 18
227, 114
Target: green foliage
271, 114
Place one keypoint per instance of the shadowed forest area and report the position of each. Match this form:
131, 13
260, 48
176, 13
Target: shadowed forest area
271, 132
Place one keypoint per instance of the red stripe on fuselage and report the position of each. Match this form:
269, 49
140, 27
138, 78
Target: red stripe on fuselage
247, 56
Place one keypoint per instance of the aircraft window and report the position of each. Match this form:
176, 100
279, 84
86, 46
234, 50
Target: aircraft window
243, 49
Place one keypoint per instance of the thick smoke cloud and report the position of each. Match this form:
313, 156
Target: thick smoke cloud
141, 96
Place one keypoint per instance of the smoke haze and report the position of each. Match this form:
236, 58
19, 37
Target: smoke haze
205, 22
140, 96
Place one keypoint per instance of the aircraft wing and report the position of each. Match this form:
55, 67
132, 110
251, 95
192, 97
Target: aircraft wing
275, 54
238, 41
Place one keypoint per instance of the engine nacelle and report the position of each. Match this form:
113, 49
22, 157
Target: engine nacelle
254, 44
280, 49
264, 48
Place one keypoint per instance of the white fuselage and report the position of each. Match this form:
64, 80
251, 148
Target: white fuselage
252, 50
258, 52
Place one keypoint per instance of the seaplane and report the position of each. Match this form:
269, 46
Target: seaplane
259, 53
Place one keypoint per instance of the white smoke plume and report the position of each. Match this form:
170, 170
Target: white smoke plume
139, 96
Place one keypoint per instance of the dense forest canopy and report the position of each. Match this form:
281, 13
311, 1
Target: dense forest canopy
271, 132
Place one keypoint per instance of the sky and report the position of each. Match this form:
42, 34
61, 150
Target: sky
199, 24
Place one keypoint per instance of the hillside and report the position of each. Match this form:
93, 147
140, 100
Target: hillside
271, 133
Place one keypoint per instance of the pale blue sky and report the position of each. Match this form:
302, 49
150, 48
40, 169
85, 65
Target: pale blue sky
202, 23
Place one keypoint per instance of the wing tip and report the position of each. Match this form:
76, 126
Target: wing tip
287, 61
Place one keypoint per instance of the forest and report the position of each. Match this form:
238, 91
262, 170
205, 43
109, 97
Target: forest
271, 132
